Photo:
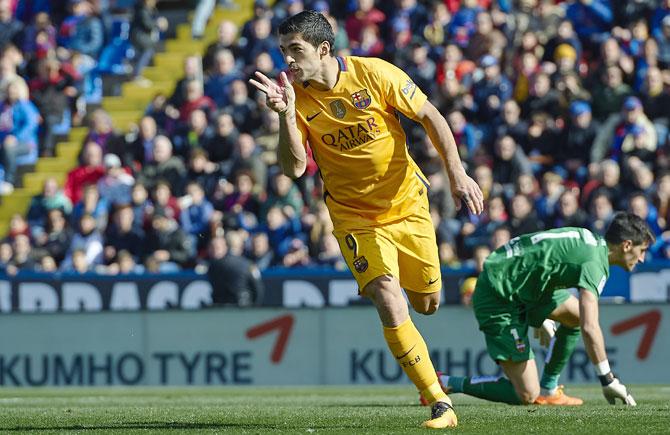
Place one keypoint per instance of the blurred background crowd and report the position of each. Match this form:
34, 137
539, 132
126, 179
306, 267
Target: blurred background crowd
560, 110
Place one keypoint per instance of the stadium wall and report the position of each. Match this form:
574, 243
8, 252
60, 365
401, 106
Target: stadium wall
30, 292
270, 346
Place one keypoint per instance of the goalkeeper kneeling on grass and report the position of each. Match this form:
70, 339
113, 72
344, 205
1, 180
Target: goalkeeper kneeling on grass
523, 284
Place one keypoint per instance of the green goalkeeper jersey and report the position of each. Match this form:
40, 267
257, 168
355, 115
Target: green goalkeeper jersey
530, 267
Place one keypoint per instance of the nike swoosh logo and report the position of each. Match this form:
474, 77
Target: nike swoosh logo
406, 353
433, 281
309, 118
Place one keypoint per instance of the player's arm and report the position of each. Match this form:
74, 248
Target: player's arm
462, 186
280, 97
595, 348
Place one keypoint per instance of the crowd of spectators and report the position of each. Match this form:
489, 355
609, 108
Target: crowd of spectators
560, 111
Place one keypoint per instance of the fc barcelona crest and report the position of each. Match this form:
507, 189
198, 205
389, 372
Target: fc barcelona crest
361, 99
338, 109
360, 264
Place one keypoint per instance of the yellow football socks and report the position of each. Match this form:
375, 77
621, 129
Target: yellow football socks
410, 350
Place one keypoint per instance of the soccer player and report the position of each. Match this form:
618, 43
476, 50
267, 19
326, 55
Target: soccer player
523, 283
347, 109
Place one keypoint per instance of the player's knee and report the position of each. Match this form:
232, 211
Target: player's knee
528, 397
426, 307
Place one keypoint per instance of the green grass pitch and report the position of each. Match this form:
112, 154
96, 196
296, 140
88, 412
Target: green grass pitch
307, 410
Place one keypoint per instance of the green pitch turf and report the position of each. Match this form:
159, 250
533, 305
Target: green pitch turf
319, 410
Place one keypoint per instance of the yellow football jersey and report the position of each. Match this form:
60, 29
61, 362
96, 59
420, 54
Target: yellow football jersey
359, 144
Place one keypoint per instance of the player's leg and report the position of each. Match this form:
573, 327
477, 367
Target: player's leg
372, 257
409, 348
507, 342
566, 312
424, 303
523, 376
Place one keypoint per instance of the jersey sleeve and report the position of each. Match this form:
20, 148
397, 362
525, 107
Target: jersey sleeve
593, 278
399, 89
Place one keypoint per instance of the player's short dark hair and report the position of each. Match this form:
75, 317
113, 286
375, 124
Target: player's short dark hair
313, 27
628, 226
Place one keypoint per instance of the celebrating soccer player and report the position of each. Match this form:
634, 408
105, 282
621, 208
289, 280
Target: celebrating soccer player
347, 108
523, 283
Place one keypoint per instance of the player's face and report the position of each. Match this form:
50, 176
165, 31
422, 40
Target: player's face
303, 58
633, 254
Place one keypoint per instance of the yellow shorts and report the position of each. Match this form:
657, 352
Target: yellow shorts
405, 249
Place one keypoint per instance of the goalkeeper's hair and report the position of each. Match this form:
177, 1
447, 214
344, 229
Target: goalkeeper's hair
313, 27
628, 226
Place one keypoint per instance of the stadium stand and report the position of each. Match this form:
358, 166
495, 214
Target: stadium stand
559, 109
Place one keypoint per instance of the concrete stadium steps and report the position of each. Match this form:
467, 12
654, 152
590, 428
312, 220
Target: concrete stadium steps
112, 104
55, 164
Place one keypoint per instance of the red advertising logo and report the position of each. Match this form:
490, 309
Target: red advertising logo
284, 324
650, 320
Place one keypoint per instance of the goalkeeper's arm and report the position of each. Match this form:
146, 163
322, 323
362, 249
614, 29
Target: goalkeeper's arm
595, 347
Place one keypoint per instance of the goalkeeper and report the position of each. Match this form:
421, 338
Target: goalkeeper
523, 284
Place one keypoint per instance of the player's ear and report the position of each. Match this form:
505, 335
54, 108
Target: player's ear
626, 245
324, 49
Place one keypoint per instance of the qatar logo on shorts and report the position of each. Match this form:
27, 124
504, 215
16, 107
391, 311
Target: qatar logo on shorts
360, 264
361, 99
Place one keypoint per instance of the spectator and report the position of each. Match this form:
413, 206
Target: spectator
224, 72
542, 97
195, 134
23, 258
204, 172
546, 203
142, 206
591, 19
663, 40
145, 31
655, 100
57, 235
284, 194
141, 150
523, 218
19, 121
486, 39
50, 198
102, 132
164, 166
193, 70
610, 94
577, 138
115, 186
509, 162
89, 172
491, 92
246, 158
123, 235
164, 202
91, 203
196, 216
569, 214
261, 253
616, 139
226, 39
222, 144
52, 91
365, 14
82, 31
195, 99
511, 124
40, 37
601, 213
639, 205
167, 244
242, 108
10, 28
86, 240
235, 280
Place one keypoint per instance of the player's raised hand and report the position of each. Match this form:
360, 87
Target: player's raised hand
280, 97
616, 390
464, 188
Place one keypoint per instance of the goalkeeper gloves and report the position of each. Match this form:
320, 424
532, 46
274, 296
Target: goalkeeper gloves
613, 389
